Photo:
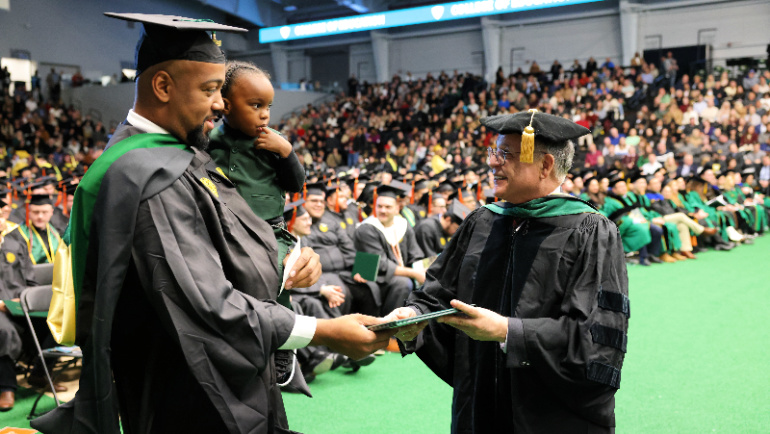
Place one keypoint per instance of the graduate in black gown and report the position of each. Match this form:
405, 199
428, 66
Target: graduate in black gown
388, 235
433, 234
542, 350
175, 277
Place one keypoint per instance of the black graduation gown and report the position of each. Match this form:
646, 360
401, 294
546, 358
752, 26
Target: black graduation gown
562, 282
370, 240
332, 243
16, 274
430, 236
183, 276
330, 240
344, 221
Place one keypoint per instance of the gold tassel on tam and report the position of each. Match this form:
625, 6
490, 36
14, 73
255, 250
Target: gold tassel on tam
528, 141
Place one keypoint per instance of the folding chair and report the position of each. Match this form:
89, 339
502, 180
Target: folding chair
43, 274
38, 299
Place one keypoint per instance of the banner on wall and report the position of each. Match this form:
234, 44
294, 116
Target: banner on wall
406, 17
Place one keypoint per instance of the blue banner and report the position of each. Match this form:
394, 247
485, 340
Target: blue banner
406, 17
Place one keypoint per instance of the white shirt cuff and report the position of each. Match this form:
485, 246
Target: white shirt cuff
504, 345
302, 332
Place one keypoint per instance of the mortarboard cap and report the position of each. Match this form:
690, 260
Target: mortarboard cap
533, 124
367, 194
289, 209
169, 37
616, 177
489, 195
403, 188
390, 190
421, 185
43, 182
457, 211
317, 189
446, 186
40, 199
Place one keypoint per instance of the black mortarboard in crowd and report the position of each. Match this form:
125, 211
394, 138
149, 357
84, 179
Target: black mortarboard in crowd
40, 199
367, 194
390, 190
616, 177
403, 188
289, 209
318, 189
457, 211
168, 37
534, 125
293, 210
445, 187
421, 185
42, 182
489, 195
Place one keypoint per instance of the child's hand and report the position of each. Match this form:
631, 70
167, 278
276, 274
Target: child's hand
269, 140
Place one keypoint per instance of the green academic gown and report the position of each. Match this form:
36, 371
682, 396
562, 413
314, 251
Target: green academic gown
44, 242
634, 232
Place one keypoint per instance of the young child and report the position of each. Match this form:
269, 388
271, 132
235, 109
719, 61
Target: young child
256, 158
261, 164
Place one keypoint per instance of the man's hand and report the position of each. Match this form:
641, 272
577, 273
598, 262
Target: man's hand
333, 294
659, 221
3, 307
348, 335
269, 140
408, 332
306, 271
480, 324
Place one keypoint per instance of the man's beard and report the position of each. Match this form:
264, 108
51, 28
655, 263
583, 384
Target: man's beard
198, 139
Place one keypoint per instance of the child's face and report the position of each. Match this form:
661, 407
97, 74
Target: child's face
247, 108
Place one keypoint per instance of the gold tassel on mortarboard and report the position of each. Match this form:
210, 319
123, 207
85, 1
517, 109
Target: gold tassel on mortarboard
528, 141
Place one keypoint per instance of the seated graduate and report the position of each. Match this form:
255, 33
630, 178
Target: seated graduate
434, 233
16, 274
388, 235
636, 232
419, 190
41, 237
337, 205
324, 299
331, 241
674, 226
45, 186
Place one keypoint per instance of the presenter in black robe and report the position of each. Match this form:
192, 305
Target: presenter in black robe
543, 349
175, 277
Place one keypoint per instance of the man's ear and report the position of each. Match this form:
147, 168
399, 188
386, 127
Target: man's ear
547, 166
228, 106
162, 86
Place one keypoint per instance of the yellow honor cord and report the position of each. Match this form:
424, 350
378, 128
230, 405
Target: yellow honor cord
527, 154
49, 253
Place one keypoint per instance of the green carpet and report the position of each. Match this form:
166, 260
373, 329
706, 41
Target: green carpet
697, 362
17, 417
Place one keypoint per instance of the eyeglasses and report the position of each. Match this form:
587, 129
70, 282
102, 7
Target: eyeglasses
502, 154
